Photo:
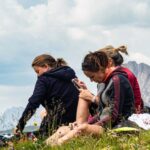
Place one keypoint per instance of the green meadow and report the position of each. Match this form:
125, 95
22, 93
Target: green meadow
108, 141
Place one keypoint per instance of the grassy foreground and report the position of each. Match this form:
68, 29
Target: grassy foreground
109, 141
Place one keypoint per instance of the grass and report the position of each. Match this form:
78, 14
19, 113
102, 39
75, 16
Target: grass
108, 141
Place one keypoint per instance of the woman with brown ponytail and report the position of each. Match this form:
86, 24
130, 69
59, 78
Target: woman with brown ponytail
116, 59
54, 91
116, 101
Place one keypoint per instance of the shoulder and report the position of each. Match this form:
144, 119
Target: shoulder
129, 72
119, 78
43, 79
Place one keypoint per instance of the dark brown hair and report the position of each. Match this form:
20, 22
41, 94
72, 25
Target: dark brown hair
45, 59
95, 61
114, 53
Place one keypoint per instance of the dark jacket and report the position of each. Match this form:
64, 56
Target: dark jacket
116, 100
135, 86
54, 91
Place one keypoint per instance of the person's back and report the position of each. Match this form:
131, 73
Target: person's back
55, 91
61, 97
136, 89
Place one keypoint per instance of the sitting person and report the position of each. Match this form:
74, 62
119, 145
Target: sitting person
55, 91
116, 59
116, 100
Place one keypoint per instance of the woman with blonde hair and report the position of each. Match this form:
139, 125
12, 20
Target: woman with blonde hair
116, 59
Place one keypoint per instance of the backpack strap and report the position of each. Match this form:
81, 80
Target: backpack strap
106, 118
116, 81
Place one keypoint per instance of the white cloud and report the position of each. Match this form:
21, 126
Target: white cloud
69, 29
108, 13
53, 20
44, 18
77, 33
139, 58
14, 96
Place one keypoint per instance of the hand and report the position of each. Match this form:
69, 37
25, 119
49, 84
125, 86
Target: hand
16, 131
86, 95
43, 113
81, 84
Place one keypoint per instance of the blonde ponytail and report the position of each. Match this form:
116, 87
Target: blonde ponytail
122, 49
115, 53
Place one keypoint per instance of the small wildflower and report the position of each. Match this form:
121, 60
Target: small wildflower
35, 124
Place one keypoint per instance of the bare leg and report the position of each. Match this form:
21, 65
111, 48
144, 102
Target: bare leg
82, 111
95, 130
68, 136
82, 117
84, 129
58, 134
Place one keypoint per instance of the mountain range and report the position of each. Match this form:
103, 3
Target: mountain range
10, 117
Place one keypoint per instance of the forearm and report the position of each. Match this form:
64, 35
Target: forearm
27, 114
82, 111
88, 96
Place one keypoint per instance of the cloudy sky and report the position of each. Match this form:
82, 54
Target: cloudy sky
64, 28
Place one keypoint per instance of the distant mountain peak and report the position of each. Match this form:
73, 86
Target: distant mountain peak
10, 117
142, 72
